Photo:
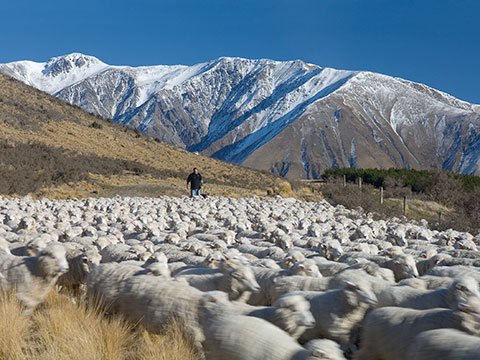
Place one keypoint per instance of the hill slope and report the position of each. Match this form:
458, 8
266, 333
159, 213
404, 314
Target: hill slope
291, 118
51, 148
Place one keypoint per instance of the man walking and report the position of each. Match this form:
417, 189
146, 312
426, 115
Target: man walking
196, 183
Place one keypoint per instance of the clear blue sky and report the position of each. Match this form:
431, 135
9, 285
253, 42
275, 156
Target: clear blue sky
436, 42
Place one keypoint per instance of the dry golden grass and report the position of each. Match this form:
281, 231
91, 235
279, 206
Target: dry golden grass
60, 329
28, 116
420, 209
14, 328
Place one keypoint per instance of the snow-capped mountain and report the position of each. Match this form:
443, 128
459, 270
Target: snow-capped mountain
292, 118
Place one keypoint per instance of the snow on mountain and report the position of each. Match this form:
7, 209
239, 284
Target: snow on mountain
291, 118
57, 73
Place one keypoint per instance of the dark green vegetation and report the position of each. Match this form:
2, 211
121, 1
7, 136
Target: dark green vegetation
459, 193
419, 181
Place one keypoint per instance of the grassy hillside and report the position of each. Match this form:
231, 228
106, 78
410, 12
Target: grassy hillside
53, 149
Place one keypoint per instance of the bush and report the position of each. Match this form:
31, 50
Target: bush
96, 125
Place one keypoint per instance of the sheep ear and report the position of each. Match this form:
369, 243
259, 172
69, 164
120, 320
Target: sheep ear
301, 266
460, 286
351, 285
236, 275
464, 306
317, 353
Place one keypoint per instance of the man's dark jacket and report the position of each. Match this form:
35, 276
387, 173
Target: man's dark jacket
195, 181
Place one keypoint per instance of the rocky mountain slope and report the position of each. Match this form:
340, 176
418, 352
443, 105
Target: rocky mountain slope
291, 118
51, 148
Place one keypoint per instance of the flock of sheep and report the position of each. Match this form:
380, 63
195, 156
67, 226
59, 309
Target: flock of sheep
253, 278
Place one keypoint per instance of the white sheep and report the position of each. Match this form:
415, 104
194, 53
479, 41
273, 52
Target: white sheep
338, 311
290, 313
239, 337
291, 257
455, 271
403, 266
118, 252
444, 344
152, 303
327, 267
408, 297
330, 249
266, 278
388, 332
32, 248
428, 282
272, 252
424, 266
33, 277
105, 282
236, 279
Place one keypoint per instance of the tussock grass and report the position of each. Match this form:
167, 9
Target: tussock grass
14, 328
62, 329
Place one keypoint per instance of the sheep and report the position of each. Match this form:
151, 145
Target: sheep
465, 244
155, 265
117, 253
266, 278
428, 282
283, 285
330, 250
403, 266
283, 241
236, 279
239, 337
153, 304
291, 257
79, 264
388, 331
361, 273
369, 249
407, 297
393, 251
211, 261
267, 263
306, 267
32, 248
327, 267
33, 277
444, 344
455, 271
337, 311
423, 266
272, 252
290, 313
105, 282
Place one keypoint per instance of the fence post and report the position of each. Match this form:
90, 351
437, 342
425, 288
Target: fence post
344, 180
360, 183
404, 206
381, 195
440, 215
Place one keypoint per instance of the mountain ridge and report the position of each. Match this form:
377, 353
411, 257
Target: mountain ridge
236, 109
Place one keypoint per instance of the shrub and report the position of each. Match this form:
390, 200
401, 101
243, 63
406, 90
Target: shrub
96, 125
